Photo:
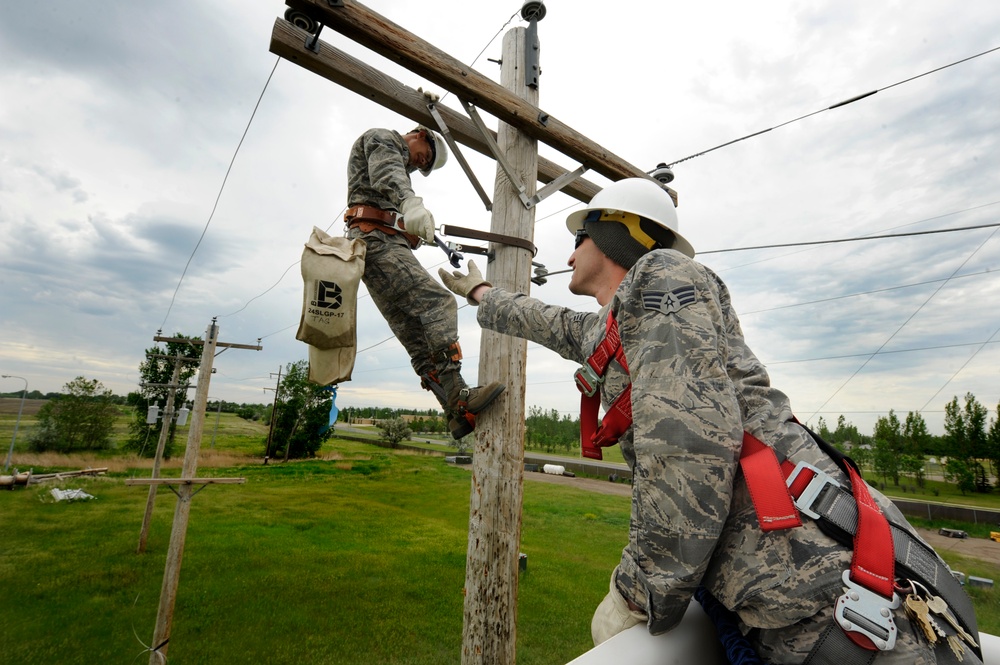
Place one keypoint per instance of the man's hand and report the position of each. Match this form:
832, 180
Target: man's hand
417, 219
613, 615
464, 285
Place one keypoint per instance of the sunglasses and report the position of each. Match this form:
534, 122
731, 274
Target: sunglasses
580, 235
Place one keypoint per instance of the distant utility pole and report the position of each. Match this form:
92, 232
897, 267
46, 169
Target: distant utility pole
185, 489
24, 393
274, 413
168, 415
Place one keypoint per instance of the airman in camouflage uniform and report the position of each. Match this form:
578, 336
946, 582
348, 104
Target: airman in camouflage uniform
421, 314
695, 387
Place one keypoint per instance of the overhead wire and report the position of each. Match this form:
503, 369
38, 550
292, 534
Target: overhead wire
222, 187
842, 240
854, 239
964, 365
830, 108
492, 39
285, 273
904, 324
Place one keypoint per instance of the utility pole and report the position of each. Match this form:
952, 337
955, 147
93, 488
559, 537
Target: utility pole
168, 415
491, 577
17, 423
186, 487
274, 413
494, 531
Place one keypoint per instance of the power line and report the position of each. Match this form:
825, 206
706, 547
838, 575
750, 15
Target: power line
910, 318
964, 365
865, 293
835, 106
218, 196
854, 239
885, 353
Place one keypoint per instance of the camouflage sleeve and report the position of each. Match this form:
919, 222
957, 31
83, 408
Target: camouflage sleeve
557, 328
687, 431
376, 170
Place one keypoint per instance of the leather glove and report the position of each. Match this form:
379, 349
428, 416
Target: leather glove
417, 219
463, 285
613, 615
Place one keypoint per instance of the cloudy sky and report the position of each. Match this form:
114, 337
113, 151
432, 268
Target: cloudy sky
118, 121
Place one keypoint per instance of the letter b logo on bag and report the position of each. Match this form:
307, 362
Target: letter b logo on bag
328, 295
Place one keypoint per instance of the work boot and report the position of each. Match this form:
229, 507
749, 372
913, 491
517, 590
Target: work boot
464, 403
471, 402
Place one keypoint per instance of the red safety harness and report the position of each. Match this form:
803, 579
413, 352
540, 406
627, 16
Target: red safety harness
778, 491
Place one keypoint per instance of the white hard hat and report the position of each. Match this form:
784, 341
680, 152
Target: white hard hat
642, 198
439, 149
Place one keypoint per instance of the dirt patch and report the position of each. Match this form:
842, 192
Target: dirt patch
11, 405
975, 548
588, 484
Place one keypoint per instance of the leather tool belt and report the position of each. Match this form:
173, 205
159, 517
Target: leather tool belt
369, 218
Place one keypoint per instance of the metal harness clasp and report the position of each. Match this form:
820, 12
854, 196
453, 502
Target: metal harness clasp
866, 612
819, 480
587, 380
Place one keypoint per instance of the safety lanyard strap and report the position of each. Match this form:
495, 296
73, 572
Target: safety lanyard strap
765, 480
593, 437
873, 562
873, 565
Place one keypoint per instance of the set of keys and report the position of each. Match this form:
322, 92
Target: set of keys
922, 608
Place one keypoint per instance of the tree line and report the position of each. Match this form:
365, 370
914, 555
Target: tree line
83, 415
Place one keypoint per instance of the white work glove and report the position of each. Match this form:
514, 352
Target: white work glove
429, 96
613, 615
463, 285
417, 219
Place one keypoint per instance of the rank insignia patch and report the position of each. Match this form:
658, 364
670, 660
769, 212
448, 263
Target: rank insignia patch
668, 302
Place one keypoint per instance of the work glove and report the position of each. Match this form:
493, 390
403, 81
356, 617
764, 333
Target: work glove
429, 96
417, 219
463, 285
613, 615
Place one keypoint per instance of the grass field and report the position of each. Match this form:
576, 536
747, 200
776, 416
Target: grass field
357, 557
351, 560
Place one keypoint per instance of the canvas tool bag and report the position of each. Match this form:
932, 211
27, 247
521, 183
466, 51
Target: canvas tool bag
331, 271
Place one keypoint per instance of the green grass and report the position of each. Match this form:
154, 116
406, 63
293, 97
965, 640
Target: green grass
353, 561
356, 558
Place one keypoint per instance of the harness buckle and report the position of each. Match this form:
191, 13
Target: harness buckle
587, 380
866, 612
809, 495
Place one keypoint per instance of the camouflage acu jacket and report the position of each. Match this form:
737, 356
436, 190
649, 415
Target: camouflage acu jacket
696, 387
377, 172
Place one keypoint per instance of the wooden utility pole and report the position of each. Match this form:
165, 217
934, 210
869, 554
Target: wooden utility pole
167, 419
175, 552
186, 487
496, 497
274, 414
490, 626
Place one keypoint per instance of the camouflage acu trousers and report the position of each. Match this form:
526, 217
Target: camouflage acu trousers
421, 313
